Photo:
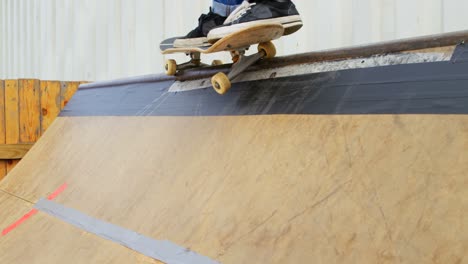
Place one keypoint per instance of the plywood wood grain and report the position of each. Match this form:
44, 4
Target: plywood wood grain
14, 151
68, 89
50, 102
262, 189
12, 117
43, 239
29, 110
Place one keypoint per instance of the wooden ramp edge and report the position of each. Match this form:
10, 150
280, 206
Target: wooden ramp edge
432, 43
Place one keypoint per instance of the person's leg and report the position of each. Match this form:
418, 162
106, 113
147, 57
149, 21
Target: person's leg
225, 7
219, 10
257, 12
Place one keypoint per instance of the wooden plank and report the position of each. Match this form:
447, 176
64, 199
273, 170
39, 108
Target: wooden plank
29, 110
12, 135
50, 103
68, 90
14, 151
2, 127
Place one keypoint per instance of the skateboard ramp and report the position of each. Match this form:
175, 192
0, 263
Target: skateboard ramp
362, 165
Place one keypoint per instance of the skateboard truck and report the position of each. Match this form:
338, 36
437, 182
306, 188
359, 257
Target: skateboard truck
220, 81
236, 43
195, 62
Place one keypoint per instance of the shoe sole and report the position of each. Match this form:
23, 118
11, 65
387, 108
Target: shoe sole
291, 24
291, 28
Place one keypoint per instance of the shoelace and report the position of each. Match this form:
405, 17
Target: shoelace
243, 12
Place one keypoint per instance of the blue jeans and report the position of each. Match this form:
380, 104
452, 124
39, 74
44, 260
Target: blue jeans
225, 7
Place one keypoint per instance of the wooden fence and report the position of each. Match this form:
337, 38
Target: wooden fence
27, 109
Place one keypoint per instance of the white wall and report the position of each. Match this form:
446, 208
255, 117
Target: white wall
106, 39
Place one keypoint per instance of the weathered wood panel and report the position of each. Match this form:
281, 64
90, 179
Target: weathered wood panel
68, 90
14, 151
30, 111
27, 108
12, 114
50, 103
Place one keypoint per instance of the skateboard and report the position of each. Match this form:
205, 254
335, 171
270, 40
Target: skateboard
236, 43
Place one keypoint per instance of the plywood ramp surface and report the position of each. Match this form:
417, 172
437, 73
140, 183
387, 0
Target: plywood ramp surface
43, 239
253, 189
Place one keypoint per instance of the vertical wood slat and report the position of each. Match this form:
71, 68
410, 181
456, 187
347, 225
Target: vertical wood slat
12, 135
27, 109
30, 109
68, 90
3, 163
50, 103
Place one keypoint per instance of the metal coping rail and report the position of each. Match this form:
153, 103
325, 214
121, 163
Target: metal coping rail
379, 48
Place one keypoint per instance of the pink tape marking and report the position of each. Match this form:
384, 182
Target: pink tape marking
19, 222
57, 192
33, 211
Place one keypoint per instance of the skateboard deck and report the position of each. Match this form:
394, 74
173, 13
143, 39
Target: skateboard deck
169, 44
236, 43
241, 39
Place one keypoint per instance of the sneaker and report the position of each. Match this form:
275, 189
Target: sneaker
241, 9
282, 12
197, 37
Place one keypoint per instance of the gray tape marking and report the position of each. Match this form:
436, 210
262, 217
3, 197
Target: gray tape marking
164, 251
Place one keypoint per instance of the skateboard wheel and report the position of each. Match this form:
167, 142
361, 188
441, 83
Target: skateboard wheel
268, 48
217, 62
221, 83
171, 67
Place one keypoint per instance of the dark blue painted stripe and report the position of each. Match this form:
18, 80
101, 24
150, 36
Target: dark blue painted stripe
424, 88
